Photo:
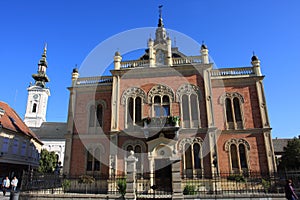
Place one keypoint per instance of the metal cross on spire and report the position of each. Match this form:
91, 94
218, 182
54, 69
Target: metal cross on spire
160, 10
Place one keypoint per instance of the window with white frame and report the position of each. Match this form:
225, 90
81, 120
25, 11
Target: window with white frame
188, 95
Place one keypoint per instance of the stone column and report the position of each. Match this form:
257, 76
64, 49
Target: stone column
176, 180
131, 176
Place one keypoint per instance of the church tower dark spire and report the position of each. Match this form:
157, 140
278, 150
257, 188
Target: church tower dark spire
38, 94
160, 20
41, 77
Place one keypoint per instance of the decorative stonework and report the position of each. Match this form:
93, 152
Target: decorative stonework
160, 90
134, 143
94, 103
231, 96
190, 141
133, 92
236, 142
187, 89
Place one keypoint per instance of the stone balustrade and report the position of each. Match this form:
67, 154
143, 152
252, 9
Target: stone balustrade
93, 80
187, 60
243, 71
134, 63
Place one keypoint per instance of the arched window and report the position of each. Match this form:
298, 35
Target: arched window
96, 115
188, 96
191, 157
92, 116
238, 150
197, 161
243, 159
132, 99
93, 163
99, 115
34, 107
233, 113
89, 162
134, 110
234, 158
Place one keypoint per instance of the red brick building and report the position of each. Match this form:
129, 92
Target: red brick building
169, 108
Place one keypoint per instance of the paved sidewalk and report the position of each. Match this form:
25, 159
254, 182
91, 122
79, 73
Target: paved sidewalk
6, 197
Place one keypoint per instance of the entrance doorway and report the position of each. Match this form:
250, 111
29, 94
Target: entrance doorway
163, 175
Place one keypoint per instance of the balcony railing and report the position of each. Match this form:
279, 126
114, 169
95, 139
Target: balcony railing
93, 80
175, 61
243, 71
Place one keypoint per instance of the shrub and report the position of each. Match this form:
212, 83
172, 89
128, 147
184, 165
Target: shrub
189, 190
121, 186
236, 177
66, 184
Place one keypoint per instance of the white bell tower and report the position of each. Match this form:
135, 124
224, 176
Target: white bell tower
38, 95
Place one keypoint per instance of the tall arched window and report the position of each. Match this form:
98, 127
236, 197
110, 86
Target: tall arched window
92, 116
233, 112
93, 160
191, 157
188, 96
238, 150
133, 99
96, 115
234, 158
99, 115
197, 161
243, 159
34, 107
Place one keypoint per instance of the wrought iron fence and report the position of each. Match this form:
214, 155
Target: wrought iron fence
51, 183
147, 185
227, 183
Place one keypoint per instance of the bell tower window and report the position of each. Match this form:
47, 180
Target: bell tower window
34, 107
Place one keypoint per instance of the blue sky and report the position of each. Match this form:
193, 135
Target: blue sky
232, 30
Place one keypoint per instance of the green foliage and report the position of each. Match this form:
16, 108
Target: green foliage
189, 190
66, 184
86, 179
266, 184
290, 159
48, 161
236, 177
121, 186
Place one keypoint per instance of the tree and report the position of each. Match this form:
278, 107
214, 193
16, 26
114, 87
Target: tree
290, 159
48, 161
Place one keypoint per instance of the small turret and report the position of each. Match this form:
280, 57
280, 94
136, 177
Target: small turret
204, 53
117, 60
256, 65
75, 74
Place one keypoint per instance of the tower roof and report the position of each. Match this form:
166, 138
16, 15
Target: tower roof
41, 77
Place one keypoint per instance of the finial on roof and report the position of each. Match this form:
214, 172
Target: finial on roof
203, 46
160, 20
254, 57
43, 60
